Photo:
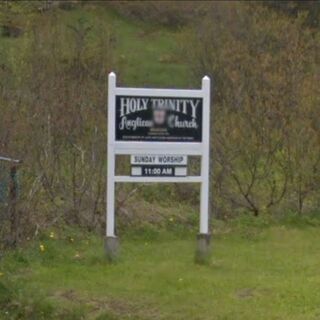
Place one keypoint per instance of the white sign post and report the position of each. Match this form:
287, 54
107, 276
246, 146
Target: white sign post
135, 118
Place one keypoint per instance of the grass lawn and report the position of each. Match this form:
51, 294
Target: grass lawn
270, 273
144, 54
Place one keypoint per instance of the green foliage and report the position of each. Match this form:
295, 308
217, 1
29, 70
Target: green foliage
5, 294
106, 316
294, 8
170, 14
60, 69
265, 133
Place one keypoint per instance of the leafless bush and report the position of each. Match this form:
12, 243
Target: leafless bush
167, 13
54, 102
265, 141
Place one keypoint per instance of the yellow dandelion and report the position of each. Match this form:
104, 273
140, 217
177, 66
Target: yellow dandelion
42, 248
1, 274
51, 235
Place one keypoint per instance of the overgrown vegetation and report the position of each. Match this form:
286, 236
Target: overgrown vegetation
265, 142
264, 62
53, 75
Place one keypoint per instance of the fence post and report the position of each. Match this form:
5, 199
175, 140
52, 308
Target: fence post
13, 194
12, 200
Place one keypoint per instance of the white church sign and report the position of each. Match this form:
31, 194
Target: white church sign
158, 128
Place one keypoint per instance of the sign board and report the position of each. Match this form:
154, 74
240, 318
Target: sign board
158, 119
163, 159
165, 165
158, 171
158, 128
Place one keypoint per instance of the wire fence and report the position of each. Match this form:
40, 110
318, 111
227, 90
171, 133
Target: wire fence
9, 193
4, 180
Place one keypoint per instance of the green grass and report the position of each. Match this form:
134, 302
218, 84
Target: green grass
149, 56
144, 55
255, 273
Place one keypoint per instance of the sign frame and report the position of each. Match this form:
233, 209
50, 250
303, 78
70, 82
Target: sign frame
115, 148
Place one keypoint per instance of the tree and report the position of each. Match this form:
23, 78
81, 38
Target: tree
263, 65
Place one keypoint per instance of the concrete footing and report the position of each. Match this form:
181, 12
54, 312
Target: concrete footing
203, 250
112, 248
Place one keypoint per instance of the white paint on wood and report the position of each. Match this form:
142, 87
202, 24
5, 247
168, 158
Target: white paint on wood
156, 148
111, 157
180, 171
188, 179
136, 171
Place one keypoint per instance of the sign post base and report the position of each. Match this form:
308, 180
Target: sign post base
112, 248
143, 122
203, 252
